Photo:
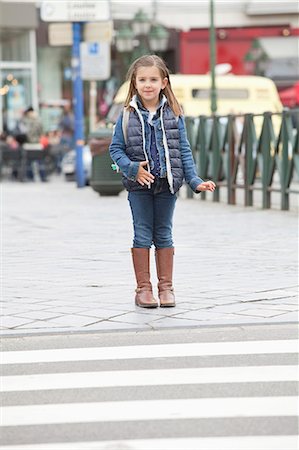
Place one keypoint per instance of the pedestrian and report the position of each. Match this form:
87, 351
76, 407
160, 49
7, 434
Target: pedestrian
67, 126
31, 132
151, 149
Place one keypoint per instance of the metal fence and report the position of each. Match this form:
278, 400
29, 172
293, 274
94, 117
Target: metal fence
249, 152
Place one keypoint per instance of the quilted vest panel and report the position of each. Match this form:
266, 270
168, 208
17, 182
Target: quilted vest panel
134, 148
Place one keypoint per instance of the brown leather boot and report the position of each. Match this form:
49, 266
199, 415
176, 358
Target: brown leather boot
144, 292
164, 264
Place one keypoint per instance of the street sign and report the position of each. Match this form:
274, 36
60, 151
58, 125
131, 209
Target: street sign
98, 31
60, 34
75, 11
95, 60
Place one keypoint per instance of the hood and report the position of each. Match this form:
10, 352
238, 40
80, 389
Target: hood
137, 104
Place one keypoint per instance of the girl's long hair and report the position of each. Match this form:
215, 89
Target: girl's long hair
150, 61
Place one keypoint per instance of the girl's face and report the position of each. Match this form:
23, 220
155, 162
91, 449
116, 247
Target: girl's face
149, 84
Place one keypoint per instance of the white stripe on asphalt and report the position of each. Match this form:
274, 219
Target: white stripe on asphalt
79, 380
149, 410
150, 351
223, 443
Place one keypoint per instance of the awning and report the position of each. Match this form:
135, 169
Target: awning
282, 57
280, 46
262, 7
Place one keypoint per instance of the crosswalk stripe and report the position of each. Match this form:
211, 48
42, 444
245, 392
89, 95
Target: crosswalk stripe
150, 351
223, 443
149, 410
74, 380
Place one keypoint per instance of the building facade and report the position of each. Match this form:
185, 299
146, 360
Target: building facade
270, 51
18, 65
32, 72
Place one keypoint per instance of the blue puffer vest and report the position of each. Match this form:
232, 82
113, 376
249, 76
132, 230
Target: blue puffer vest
167, 139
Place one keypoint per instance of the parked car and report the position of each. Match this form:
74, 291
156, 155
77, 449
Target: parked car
236, 94
68, 164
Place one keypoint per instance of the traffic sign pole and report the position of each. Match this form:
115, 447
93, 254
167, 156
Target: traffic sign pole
78, 104
78, 12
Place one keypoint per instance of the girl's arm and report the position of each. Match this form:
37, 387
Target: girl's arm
117, 151
189, 168
194, 181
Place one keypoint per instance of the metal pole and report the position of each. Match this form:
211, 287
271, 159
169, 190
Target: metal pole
213, 59
1, 108
92, 105
154, 14
78, 104
32, 40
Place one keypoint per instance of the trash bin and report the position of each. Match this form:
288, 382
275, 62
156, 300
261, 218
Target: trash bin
103, 180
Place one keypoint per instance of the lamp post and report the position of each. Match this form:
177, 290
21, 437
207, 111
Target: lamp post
147, 34
249, 63
256, 59
124, 40
141, 24
213, 59
158, 38
125, 45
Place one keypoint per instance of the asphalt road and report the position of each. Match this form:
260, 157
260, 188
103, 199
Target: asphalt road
204, 388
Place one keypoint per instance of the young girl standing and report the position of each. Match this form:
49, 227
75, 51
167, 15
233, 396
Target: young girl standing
153, 153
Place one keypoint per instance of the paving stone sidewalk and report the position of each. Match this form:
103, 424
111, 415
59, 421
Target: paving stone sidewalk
67, 266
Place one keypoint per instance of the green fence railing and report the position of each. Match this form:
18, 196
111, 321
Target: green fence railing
245, 152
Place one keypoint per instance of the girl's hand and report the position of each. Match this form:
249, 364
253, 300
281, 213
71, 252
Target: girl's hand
206, 186
143, 176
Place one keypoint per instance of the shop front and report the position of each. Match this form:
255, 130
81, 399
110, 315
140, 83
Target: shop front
18, 73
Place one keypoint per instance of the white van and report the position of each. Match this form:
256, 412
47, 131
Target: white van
236, 94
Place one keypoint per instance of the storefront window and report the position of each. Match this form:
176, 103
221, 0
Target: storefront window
17, 95
15, 46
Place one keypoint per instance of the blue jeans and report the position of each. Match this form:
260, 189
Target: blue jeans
152, 212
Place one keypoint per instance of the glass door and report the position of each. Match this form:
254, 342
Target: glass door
16, 95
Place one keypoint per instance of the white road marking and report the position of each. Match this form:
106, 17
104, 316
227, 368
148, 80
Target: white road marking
223, 443
79, 380
150, 351
149, 410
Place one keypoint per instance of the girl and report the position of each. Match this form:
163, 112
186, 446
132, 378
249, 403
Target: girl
153, 153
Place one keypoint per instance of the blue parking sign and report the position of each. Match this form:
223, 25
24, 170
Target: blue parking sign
95, 60
93, 48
